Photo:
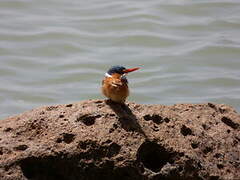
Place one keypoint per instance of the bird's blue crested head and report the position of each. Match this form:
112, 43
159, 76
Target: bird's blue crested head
116, 69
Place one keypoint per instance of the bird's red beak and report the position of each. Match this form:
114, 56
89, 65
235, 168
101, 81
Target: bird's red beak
130, 70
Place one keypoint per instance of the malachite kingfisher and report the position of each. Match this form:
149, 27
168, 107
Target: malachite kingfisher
115, 83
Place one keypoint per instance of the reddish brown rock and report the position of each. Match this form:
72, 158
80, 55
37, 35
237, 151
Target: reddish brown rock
101, 140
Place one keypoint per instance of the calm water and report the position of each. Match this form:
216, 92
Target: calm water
57, 51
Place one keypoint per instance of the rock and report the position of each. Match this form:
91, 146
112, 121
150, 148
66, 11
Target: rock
99, 139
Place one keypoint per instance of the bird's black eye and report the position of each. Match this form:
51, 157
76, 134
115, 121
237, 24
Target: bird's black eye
124, 79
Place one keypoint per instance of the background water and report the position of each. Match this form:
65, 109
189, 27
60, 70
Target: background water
57, 51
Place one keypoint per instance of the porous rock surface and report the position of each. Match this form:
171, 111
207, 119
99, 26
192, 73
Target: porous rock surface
98, 139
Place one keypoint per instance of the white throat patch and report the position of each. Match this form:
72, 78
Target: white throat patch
107, 75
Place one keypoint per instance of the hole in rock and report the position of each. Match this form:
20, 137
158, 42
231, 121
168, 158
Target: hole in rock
207, 150
88, 119
167, 120
155, 118
230, 123
61, 116
194, 145
205, 127
7, 129
153, 156
220, 166
212, 105
112, 115
66, 137
186, 131
113, 150
217, 155
44, 168
69, 105
147, 117
21, 147
98, 102
65, 167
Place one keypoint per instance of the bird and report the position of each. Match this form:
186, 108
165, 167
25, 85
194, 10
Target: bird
115, 83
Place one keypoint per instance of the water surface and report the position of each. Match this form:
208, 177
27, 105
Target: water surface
57, 51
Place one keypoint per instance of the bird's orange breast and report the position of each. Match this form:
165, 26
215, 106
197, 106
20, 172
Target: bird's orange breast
115, 88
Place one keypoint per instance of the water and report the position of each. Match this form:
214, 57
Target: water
57, 51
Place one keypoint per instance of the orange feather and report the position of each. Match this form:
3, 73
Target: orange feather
115, 88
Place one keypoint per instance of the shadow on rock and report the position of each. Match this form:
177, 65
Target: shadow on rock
126, 117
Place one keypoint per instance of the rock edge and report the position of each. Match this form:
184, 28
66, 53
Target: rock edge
98, 139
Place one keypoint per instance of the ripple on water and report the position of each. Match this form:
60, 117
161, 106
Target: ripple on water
57, 52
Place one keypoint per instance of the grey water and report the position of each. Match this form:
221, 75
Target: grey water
57, 51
